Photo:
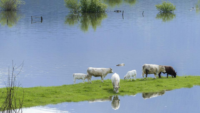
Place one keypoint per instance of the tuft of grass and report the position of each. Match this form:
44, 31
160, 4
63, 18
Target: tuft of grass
10, 5
36, 96
166, 7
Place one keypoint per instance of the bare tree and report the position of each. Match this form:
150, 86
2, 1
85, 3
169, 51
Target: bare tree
13, 102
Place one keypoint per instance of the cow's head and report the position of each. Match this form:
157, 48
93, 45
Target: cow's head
116, 89
162, 69
110, 70
175, 74
125, 77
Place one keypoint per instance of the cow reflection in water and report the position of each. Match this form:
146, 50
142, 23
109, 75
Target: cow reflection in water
101, 100
115, 102
151, 95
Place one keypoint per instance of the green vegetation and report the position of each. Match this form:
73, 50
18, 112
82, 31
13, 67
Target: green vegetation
165, 16
166, 7
86, 6
131, 2
113, 3
73, 5
84, 91
10, 5
86, 20
9, 18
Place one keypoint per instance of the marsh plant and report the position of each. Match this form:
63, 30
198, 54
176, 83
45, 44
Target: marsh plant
165, 16
10, 5
86, 20
86, 6
12, 96
9, 18
166, 7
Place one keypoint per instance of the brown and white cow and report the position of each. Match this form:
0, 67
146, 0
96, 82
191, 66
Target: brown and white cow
152, 69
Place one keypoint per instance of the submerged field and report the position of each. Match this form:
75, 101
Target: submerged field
35, 96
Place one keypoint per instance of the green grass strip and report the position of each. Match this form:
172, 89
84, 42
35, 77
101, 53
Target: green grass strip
36, 96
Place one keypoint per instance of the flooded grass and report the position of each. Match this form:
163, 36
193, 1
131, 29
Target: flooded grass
35, 96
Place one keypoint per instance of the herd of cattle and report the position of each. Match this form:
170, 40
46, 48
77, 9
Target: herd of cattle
146, 69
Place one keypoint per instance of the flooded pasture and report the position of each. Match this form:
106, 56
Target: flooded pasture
62, 43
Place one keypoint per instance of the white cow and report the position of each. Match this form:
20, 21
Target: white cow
130, 74
98, 72
115, 82
152, 69
80, 76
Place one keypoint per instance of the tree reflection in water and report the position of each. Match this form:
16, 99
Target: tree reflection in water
114, 3
9, 18
86, 20
165, 16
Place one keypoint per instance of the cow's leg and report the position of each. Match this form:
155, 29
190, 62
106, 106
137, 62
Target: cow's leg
167, 75
101, 78
155, 75
74, 81
159, 75
143, 74
83, 80
146, 73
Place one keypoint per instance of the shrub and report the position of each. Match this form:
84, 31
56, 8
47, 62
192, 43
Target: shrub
92, 6
10, 5
73, 5
86, 6
166, 7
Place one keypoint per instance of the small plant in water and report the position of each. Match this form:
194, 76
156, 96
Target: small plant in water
10, 5
166, 7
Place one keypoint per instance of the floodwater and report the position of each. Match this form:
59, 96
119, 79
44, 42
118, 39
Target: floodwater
62, 44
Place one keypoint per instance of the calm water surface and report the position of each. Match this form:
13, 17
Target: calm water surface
167, 102
64, 44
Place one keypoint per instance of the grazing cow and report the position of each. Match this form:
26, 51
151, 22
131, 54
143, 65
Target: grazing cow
115, 82
130, 74
115, 102
169, 70
151, 95
98, 72
152, 69
80, 76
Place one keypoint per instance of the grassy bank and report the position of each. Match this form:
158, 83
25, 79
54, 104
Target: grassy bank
97, 90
